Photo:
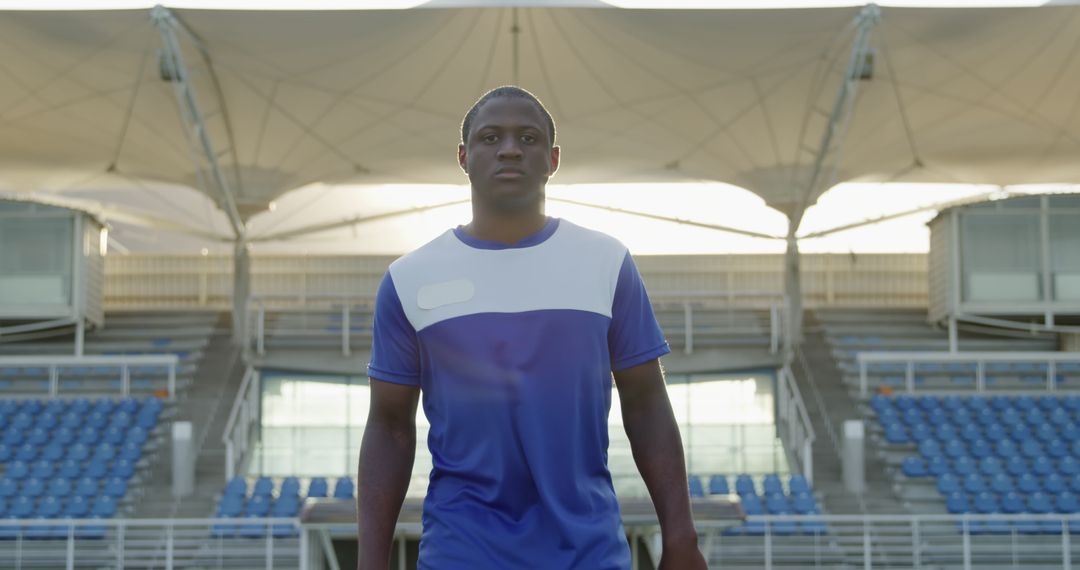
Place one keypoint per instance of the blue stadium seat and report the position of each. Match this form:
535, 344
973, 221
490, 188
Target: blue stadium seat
1069, 466
896, 434
1056, 448
777, 504
965, 466
50, 507
86, 487
804, 504
771, 485
948, 484
22, 507
97, 419
38, 435
8, 487
122, 420
59, 487
797, 484
5, 453
991, 466
913, 467
63, 435
12, 437
1027, 483
123, 469
70, 469
264, 486
1012, 503
41, 469
257, 505
904, 402
981, 449
104, 451
46, 421
236, 487
18, 470
974, 483
744, 485
53, 452
718, 485
97, 468
1031, 449
115, 487
1040, 503
285, 507
317, 487
32, 487
22, 421
879, 403
104, 507
944, 431
996, 432
697, 489
130, 451
1042, 466
71, 420
938, 466
128, 406
230, 506
136, 435
971, 432
88, 435
956, 503
1016, 466
252, 530
955, 448
912, 416
344, 488
113, 435
1069, 431
26, 452
940, 417
1001, 483
986, 503
1054, 483
752, 505
1066, 503
77, 507
930, 448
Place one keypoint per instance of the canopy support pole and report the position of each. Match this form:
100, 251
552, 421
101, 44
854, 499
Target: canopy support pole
208, 169
827, 157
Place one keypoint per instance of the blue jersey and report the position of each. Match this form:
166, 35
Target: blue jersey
513, 347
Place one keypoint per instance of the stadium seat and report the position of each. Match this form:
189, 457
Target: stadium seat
1012, 503
913, 467
1066, 503
1027, 483
804, 504
8, 487
718, 485
77, 507
59, 487
18, 470
115, 487
965, 466
777, 504
956, 503
237, 486
771, 485
797, 484
344, 488
257, 505
104, 506
744, 485
1054, 483
948, 484
1001, 483
317, 487
697, 489
123, 469
264, 487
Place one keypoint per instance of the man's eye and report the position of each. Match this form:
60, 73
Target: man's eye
489, 138
528, 139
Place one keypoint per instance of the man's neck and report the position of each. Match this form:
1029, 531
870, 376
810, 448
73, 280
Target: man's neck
505, 228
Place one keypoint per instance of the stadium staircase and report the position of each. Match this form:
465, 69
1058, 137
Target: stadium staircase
206, 405
829, 404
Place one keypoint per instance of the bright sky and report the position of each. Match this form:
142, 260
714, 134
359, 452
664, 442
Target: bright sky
711, 203
404, 4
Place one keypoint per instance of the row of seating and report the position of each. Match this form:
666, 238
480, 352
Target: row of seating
744, 485
344, 488
81, 406
970, 367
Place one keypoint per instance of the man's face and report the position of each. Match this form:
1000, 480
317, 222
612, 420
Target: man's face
509, 156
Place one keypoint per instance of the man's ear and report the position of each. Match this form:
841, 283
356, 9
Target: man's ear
554, 160
461, 158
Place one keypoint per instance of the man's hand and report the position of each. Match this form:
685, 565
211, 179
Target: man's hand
683, 555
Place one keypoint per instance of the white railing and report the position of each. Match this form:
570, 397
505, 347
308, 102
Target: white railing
977, 364
146, 543
896, 541
85, 368
315, 307
243, 423
793, 421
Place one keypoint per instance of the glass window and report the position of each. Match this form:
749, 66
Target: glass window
1001, 256
36, 260
1065, 256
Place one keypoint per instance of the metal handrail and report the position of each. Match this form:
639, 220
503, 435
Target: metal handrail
243, 414
123, 362
980, 359
796, 420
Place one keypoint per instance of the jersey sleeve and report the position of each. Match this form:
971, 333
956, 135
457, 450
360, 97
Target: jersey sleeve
395, 356
634, 337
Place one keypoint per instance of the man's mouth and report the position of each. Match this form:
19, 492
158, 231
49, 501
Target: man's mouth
509, 173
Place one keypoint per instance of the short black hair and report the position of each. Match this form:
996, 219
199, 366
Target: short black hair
505, 91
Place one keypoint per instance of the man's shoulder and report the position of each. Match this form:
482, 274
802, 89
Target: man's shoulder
432, 250
582, 236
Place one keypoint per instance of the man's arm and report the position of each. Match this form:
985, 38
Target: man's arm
386, 460
657, 448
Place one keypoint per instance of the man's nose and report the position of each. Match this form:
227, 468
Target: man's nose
509, 149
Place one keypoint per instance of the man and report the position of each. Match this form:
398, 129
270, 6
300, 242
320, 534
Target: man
512, 327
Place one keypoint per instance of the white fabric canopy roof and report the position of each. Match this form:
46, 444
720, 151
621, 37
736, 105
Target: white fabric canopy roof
375, 97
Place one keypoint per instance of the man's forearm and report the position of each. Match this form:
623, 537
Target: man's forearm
657, 449
386, 461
